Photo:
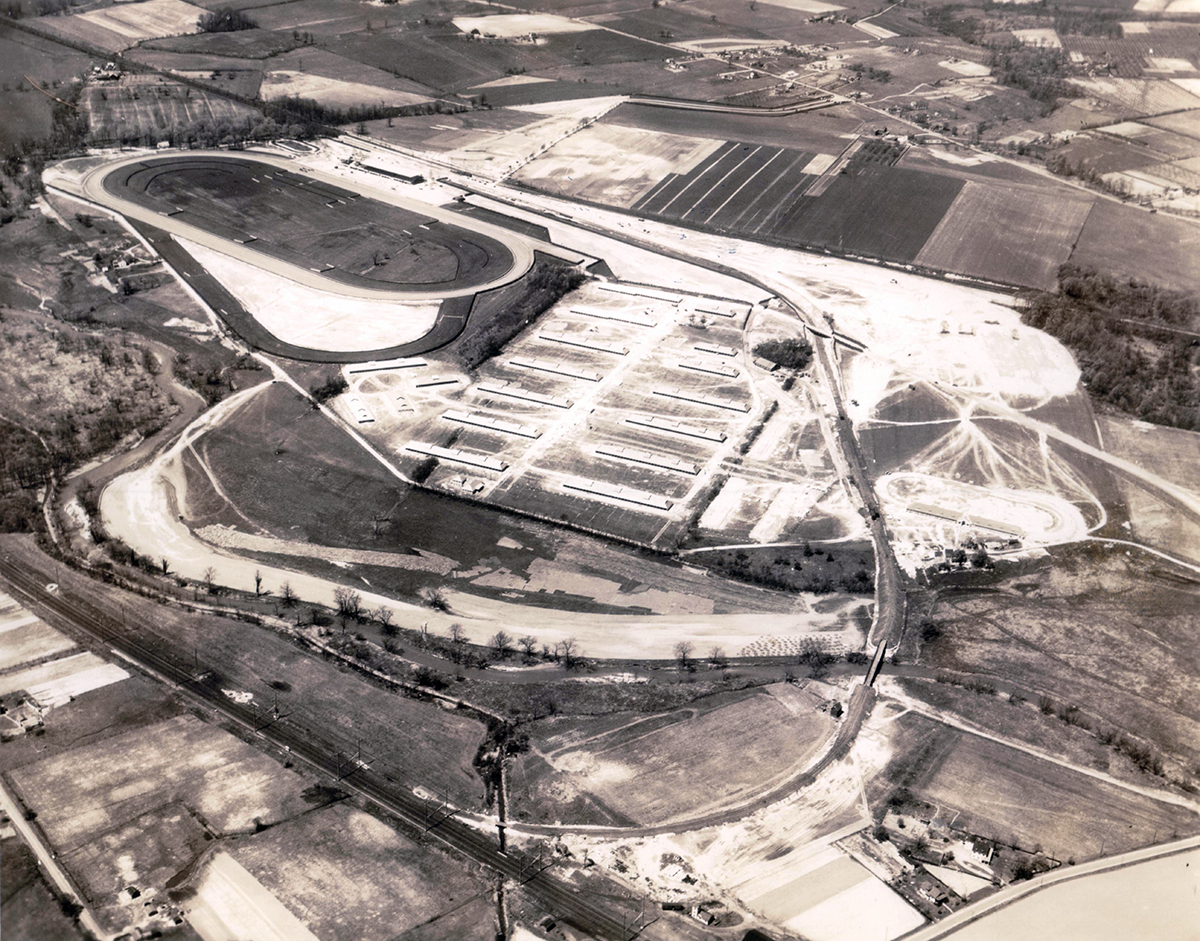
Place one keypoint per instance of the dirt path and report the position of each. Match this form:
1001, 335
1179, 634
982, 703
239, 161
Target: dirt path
48, 861
142, 508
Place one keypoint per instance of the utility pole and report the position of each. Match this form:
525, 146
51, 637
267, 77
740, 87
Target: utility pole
354, 762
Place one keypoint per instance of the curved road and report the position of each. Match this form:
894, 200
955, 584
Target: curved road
92, 188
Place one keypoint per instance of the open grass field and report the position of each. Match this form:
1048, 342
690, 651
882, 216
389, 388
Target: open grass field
138, 808
243, 44
118, 27
1102, 631
91, 718
333, 92
201, 65
1013, 797
678, 23
325, 63
1103, 154
322, 18
26, 110
830, 130
1140, 96
438, 57
358, 878
1007, 234
278, 444
445, 57
1158, 524
28, 114
786, 21
131, 110
310, 224
88, 791
888, 447
1172, 453
34, 640
613, 164
1129, 242
653, 769
1183, 123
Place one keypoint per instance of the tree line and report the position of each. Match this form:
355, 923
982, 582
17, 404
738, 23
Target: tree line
1097, 316
224, 20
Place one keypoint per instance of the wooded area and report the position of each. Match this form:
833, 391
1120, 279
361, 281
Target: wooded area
1126, 363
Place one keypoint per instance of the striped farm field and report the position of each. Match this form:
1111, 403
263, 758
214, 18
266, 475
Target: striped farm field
1028, 233
735, 187
761, 191
882, 211
857, 197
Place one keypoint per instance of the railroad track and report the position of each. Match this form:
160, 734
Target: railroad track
29, 585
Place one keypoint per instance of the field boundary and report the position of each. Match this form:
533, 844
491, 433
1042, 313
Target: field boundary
910, 267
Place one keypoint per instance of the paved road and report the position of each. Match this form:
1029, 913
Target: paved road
26, 583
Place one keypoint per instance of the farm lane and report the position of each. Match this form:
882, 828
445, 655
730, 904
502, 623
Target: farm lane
91, 187
48, 860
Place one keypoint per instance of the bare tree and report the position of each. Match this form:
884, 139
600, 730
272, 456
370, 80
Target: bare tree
716, 657
683, 653
209, 576
166, 565
458, 637
258, 579
286, 595
528, 646
570, 651
501, 643
384, 616
349, 603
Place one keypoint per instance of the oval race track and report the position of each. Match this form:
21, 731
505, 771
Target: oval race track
313, 230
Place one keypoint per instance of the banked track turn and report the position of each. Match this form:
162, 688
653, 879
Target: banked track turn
161, 232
